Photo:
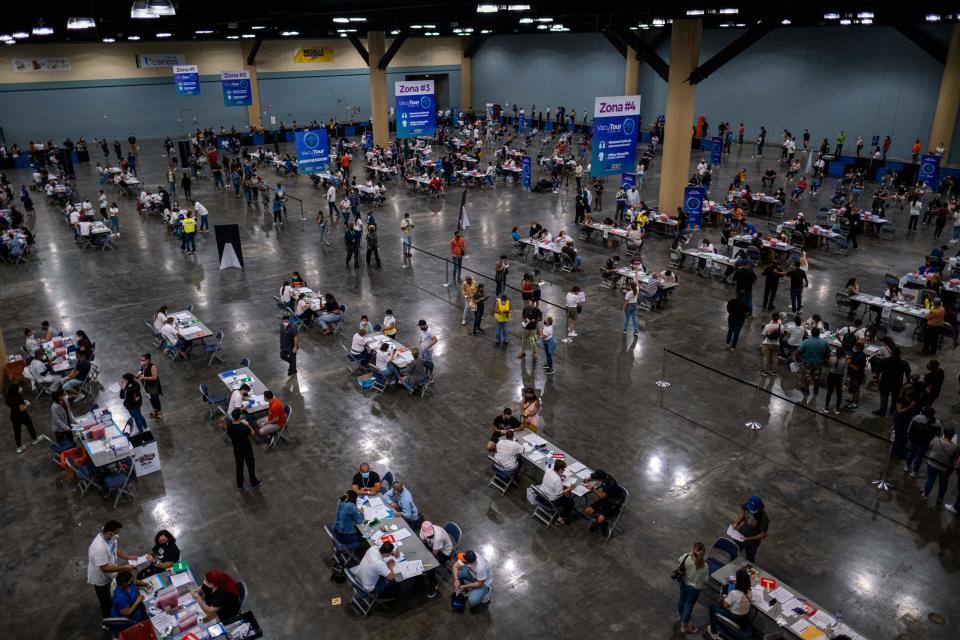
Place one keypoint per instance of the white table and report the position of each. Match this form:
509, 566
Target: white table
235, 378
113, 447
189, 326
315, 302
540, 453
62, 360
394, 529
404, 357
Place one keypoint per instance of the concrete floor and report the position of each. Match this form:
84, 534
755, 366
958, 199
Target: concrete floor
886, 560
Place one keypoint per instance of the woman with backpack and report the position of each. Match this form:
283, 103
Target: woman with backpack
838, 368
132, 400
691, 575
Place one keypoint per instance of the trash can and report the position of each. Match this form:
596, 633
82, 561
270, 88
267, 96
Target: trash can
146, 454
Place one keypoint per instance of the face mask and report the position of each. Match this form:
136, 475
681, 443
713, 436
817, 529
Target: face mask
364, 474
143, 362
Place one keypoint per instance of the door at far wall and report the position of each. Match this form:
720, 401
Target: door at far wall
441, 87
192, 119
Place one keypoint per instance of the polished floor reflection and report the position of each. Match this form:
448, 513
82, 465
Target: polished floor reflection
886, 560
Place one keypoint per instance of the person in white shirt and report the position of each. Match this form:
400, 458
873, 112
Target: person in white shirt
102, 563
771, 346
558, 495
438, 542
795, 335
473, 577
507, 453
375, 571
236, 398
159, 318
87, 208
358, 347
574, 300
406, 229
102, 200
172, 337
286, 292
578, 172
701, 168
40, 372
736, 603
74, 217
332, 203
30, 341
389, 324
204, 216
115, 218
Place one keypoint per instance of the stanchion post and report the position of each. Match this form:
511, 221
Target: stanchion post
446, 269
882, 484
755, 424
662, 383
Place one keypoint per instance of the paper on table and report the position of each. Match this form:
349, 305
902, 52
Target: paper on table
401, 534
822, 619
534, 439
575, 467
733, 533
799, 626
527, 447
408, 569
787, 606
180, 579
536, 456
761, 604
163, 620
782, 595
375, 501
584, 473
580, 491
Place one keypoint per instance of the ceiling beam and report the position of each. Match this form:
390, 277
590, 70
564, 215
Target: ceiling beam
646, 53
937, 50
392, 50
656, 41
617, 43
252, 56
476, 41
362, 50
731, 51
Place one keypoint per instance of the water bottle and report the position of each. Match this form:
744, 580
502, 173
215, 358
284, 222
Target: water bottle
836, 624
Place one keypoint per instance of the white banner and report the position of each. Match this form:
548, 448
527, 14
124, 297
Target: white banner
616, 106
148, 60
146, 459
25, 65
413, 87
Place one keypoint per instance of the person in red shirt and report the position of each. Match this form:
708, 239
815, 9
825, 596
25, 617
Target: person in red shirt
345, 165
436, 185
458, 248
275, 417
916, 151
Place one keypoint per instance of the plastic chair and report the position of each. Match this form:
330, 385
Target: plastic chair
343, 552
339, 327
362, 599
615, 521
353, 361
190, 308
543, 510
386, 482
281, 436
213, 400
502, 479
86, 474
120, 482
115, 624
566, 264
730, 630
724, 547
214, 349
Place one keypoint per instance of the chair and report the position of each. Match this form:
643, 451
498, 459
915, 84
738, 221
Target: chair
339, 326
362, 599
798, 240
386, 482
645, 302
281, 436
189, 308
615, 521
455, 533
724, 547
242, 586
519, 249
543, 510
214, 349
502, 479
213, 400
115, 624
343, 552
676, 259
843, 302
280, 303
773, 227
89, 386
754, 255
245, 362
86, 474
353, 361
566, 263
378, 327
839, 245
729, 630
127, 427
120, 482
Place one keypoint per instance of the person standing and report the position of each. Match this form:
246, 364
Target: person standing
736, 316
549, 344
813, 353
501, 315
331, 197
921, 431
185, 184
240, 433
886, 147
693, 574
351, 238
115, 219
467, 289
373, 244
841, 137
914, 215
744, 278
771, 281
149, 375
19, 416
838, 368
477, 303
941, 461
770, 348
289, 345
132, 400
574, 303
426, 343
406, 230
189, 230
501, 269
934, 328
530, 322
630, 299
753, 524
458, 249
798, 280
102, 563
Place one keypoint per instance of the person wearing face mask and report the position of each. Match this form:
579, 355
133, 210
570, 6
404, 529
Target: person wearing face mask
102, 563
165, 554
149, 375
366, 482
219, 597
289, 345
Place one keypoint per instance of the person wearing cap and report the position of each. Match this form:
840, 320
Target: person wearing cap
438, 542
610, 497
472, 577
753, 524
401, 501
426, 343
375, 571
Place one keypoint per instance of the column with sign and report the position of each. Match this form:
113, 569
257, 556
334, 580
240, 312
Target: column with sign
187, 79
236, 88
416, 108
526, 172
616, 122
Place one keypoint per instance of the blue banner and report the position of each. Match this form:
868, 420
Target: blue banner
236, 88
526, 171
523, 122
615, 126
627, 180
456, 114
368, 140
716, 150
416, 108
693, 206
187, 79
929, 168
313, 151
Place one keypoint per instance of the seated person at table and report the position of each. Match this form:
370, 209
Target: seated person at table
815, 321
651, 289
416, 375
780, 196
76, 377
667, 277
41, 371
473, 577
165, 554
296, 281
347, 518
737, 604
366, 324
385, 365
303, 310
47, 331
507, 455
571, 253
275, 418
792, 336
610, 497
504, 423
84, 345
801, 226
127, 599
768, 177
366, 482
705, 247
375, 571
174, 341
331, 314
438, 542
609, 270
219, 596
237, 397
436, 185
358, 347
286, 292
30, 342
558, 495
798, 189
515, 234
401, 501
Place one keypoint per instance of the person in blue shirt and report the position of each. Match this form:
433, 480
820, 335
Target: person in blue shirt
401, 501
127, 599
347, 518
515, 235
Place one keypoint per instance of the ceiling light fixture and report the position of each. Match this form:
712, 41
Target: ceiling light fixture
109, 40
526, 20
729, 12
139, 11
203, 32
257, 27
416, 26
542, 26
831, 16
865, 15
486, 31
20, 35
248, 35
395, 32
544, 19
42, 30
933, 17
866, 21
233, 37
343, 35
164, 34
785, 21
845, 22
341, 20
486, 8
429, 26
358, 19
161, 7
659, 22
287, 34
694, 12
78, 24
133, 38
518, 7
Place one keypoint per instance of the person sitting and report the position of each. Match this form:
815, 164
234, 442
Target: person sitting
375, 571
401, 501
504, 423
303, 310
554, 490
84, 345
610, 497
798, 189
416, 374
219, 596
76, 377
358, 347
174, 341
347, 518
705, 247
297, 282
40, 371
438, 542
768, 178
127, 600
571, 253
366, 482
792, 337
634, 238
366, 324
331, 314
286, 292
30, 342
815, 321
165, 554
736, 602
275, 419
609, 271
472, 577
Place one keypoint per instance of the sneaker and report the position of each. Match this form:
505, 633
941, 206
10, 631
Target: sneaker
240, 488
952, 508
572, 334
463, 322
37, 441
19, 449
550, 372
433, 593
257, 486
826, 409
906, 468
914, 474
836, 412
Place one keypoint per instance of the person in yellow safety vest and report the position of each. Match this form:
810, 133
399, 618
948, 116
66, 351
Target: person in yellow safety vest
189, 230
501, 313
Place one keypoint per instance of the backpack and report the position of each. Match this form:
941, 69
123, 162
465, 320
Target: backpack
849, 339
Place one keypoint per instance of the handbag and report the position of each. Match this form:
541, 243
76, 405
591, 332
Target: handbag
681, 569
458, 602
